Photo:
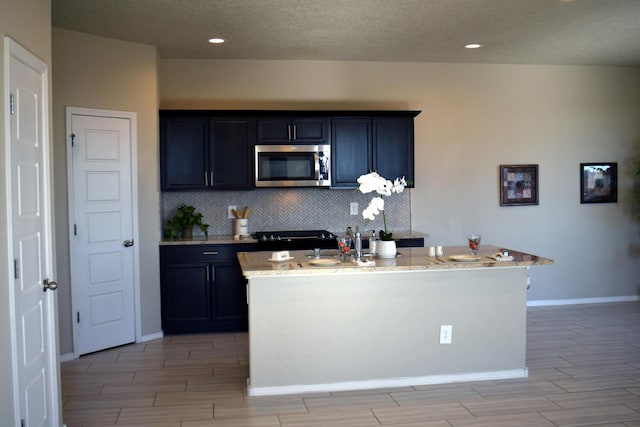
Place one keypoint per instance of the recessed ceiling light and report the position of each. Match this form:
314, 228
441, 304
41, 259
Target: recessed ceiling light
216, 40
473, 45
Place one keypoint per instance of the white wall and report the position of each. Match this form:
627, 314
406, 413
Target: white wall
475, 118
29, 23
102, 73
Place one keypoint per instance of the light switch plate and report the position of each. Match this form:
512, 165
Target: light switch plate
230, 214
353, 208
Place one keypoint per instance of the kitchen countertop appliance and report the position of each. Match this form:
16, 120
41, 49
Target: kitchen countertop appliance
294, 240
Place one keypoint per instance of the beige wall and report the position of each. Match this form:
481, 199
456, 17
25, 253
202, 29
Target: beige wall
475, 118
28, 22
102, 73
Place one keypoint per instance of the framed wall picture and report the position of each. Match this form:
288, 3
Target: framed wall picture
518, 185
598, 182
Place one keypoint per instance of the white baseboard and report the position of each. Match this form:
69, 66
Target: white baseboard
150, 337
70, 356
387, 383
67, 357
541, 303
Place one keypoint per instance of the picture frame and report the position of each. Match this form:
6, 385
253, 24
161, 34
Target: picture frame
599, 182
519, 185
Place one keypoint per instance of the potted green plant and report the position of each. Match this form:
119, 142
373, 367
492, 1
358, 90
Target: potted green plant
183, 222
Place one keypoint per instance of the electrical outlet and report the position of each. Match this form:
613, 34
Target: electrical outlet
230, 214
445, 334
353, 208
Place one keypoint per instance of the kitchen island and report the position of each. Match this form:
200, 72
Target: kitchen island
345, 326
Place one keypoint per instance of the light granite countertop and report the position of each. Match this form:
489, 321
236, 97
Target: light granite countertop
211, 240
259, 264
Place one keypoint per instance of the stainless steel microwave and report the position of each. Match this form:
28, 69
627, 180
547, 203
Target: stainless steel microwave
293, 165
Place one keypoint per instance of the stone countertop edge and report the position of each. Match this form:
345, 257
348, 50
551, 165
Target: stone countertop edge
226, 240
255, 264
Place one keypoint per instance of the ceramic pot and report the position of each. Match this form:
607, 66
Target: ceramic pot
386, 249
241, 227
187, 232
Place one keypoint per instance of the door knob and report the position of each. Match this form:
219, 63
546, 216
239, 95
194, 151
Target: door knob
128, 243
49, 284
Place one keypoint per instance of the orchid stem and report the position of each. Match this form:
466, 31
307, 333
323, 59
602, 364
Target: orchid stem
384, 219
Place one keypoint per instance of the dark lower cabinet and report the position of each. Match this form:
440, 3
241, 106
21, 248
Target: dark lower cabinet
202, 289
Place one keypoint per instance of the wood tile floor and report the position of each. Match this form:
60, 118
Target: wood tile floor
584, 370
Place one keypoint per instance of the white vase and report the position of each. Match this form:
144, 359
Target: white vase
386, 249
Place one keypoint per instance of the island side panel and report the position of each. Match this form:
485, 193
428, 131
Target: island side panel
337, 328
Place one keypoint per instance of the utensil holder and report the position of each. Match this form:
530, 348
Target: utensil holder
241, 227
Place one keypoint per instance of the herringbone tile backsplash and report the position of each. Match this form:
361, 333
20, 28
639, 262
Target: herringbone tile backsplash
291, 209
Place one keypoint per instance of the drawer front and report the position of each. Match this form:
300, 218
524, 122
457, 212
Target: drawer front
210, 253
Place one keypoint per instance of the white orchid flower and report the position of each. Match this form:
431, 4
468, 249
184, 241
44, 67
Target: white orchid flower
371, 182
375, 207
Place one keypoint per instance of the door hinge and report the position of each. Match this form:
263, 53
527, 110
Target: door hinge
73, 139
22, 423
16, 268
12, 104
78, 316
75, 230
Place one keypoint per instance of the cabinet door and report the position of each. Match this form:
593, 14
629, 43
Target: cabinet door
231, 152
183, 153
229, 312
298, 130
310, 130
393, 148
274, 131
351, 155
185, 297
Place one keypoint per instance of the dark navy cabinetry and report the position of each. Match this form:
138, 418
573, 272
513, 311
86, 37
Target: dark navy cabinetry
365, 144
202, 288
294, 130
214, 150
206, 152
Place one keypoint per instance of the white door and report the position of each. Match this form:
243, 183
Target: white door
102, 231
36, 378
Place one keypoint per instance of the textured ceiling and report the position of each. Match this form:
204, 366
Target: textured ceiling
581, 32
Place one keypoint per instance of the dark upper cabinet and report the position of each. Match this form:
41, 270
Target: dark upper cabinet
360, 145
393, 148
231, 152
184, 153
201, 150
351, 155
298, 130
200, 153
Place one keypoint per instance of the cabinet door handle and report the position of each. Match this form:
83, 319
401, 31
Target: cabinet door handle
211, 175
206, 179
295, 132
289, 132
210, 253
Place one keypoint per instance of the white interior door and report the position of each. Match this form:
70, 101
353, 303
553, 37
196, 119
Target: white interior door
36, 378
102, 231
